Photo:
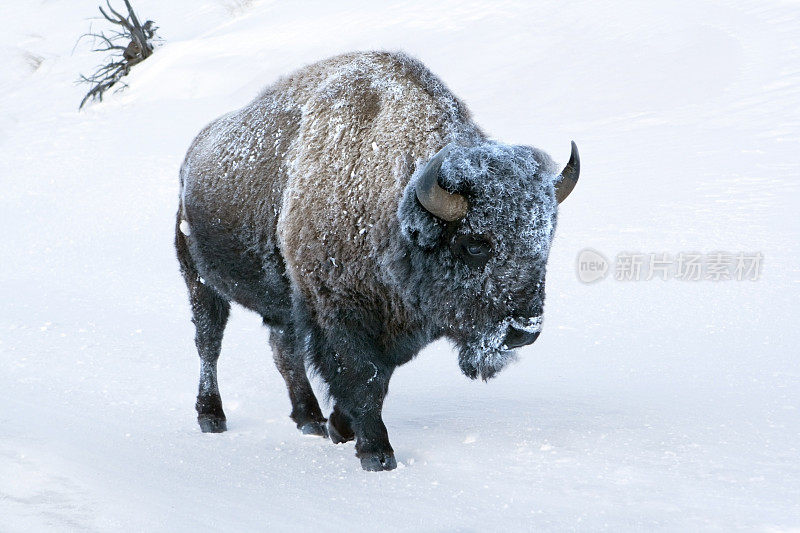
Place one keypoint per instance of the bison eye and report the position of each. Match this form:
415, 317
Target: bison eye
475, 250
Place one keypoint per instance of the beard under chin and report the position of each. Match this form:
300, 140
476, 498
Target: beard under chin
486, 354
484, 363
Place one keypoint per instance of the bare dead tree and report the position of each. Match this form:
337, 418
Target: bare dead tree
127, 44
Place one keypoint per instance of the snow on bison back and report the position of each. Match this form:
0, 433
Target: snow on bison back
357, 207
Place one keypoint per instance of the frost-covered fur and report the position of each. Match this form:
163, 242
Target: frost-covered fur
510, 192
301, 207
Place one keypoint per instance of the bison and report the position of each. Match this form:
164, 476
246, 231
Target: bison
357, 207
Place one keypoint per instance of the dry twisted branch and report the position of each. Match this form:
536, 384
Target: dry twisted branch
139, 38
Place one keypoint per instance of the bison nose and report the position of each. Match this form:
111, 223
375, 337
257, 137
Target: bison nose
516, 338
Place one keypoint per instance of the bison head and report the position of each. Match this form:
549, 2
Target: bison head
477, 223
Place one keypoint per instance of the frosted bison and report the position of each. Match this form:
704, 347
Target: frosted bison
360, 211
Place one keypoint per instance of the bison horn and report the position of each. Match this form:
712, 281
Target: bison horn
569, 176
445, 205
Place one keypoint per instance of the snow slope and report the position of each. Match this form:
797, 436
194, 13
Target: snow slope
644, 405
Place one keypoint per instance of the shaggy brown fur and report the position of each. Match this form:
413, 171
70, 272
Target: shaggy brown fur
331, 156
363, 113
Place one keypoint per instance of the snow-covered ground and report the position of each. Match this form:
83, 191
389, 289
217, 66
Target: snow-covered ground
644, 405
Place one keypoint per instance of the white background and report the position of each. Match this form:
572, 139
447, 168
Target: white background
650, 405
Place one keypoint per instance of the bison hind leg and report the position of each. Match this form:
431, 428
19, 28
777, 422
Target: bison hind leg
290, 361
210, 315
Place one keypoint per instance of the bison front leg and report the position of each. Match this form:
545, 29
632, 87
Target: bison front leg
359, 385
339, 427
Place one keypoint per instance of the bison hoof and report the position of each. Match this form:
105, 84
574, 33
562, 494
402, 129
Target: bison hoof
377, 461
210, 415
336, 436
212, 424
314, 428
